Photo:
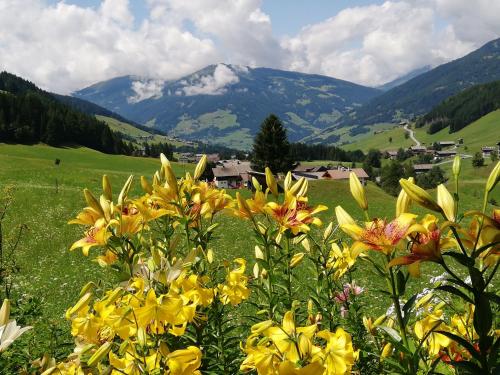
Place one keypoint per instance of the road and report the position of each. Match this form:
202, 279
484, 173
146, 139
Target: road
417, 143
412, 135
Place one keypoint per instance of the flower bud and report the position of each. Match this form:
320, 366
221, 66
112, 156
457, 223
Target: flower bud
343, 217
99, 354
256, 270
200, 167
446, 202
288, 181
210, 256
82, 302
271, 182
146, 186
357, 191
404, 202
264, 274
5, 312
258, 253
456, 166
419, 195
142, 338
92, 201
296, 259
493, 178
256, 184
305, 345
243, 205
124, 192
328, 231
387, 351
106, 188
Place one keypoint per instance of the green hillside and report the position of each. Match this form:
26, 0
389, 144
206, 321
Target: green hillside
483, 132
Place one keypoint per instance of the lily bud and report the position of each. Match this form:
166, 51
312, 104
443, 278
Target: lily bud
210, 256
288, 181
303, 188
92, 201
5, 312
404, 202
493, 178
82, 302
305, 345
328, 231
256, 184
142, 338
296, 259
243, 205
99, 354
357, 191
106, 188
258, 253
271, 182
419, 195
86, 288
446, 202
125, 190
146, 186
200, 167
264, 274
256, 270
343, 217
297, 186
456, 166
387, 351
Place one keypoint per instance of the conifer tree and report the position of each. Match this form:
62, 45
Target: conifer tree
271, 147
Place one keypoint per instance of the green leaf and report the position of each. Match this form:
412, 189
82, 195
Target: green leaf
483, 319
460, 258
401, 280
455, 291
391, 332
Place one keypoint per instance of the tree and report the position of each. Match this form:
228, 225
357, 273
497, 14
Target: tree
373, 158
390, 139
478, 160
390, 176
271, 148
494, 156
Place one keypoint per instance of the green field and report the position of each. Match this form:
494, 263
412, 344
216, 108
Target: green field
483, 132
47, 196
380, 140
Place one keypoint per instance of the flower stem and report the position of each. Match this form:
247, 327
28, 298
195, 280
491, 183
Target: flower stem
397, 307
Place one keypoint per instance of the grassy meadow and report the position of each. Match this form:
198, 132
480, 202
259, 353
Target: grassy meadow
48, 195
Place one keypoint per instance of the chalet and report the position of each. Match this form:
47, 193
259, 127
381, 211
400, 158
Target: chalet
422, 168
342, 173
446, 143
392, 155
445, 154
418, 150
488, 150
187, 157
308, 168
232, 174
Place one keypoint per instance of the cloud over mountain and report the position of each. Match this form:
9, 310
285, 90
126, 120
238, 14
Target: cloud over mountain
64, 47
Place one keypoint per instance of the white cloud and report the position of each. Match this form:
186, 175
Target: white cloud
146, 89
212, 84
65, 47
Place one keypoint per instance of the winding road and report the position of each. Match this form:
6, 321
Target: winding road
411, 133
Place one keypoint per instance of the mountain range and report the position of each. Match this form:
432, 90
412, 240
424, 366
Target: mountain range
226, 104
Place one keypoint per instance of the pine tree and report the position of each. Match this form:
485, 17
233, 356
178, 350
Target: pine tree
478, 160
271, 148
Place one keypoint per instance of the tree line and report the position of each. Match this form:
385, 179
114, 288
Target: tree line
462, 109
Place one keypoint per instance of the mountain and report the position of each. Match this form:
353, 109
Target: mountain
459, 110
226, 104
30, 115
404, 78
420, 94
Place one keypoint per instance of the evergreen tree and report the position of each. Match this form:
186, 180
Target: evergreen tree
271, 148
478, 160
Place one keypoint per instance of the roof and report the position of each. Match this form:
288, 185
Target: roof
342, 174
418, 148
446, 152
422, 166
310, 168
488, 148
392, 153
232, 168
446, 142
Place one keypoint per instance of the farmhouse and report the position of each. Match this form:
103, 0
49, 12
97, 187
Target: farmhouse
488, 150
422, 168
392, 155
338, 173
418, 149
445, 153
232, 174
446, 143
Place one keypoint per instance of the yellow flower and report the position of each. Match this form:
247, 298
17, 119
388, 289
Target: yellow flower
428, 327
97, 235
426, 246
419, 195
446, 202
271, 182
341, 260
357, 191
403, 202
379, 235
235, 289
157, 312
296, 259
184, 361
338, 354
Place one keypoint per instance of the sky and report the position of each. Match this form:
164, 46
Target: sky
64, 46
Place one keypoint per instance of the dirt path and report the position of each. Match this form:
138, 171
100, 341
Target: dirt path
412, 135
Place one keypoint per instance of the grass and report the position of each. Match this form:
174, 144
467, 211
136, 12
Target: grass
483, 132
50, 271
380, 141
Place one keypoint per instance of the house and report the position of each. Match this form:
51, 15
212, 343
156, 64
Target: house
446, 143
422, 168
418, 149
187, 157
342, 173
445, 154
488, 150
232, 174
309, 168
393, 155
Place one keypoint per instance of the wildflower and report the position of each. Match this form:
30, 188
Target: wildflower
235, 289
425, 247
379, 235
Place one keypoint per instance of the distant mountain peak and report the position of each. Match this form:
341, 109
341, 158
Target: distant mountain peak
404, 78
